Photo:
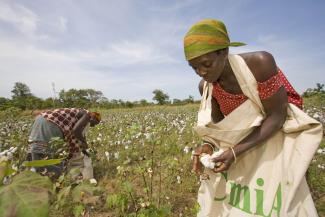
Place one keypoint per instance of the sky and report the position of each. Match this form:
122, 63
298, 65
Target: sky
128, 48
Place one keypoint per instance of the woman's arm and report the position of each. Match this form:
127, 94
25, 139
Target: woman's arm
80, 126
274, 106
276, 111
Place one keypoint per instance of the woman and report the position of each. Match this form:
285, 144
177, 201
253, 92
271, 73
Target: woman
66, 123
250, 111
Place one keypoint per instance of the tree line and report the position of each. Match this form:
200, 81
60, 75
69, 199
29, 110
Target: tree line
23, 98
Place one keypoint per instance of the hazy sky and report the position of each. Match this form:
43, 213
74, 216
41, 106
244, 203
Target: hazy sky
128, 48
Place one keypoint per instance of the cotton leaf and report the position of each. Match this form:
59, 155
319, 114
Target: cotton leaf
42, 163
27, 196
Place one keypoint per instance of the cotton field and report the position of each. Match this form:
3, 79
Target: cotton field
142, 164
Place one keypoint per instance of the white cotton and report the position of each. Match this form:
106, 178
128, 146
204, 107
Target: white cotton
116, 155
87, 170
316, 116
187, 149
9, 155
107, 155
178, 179
93, 181
4, 153
206, 159
14, 150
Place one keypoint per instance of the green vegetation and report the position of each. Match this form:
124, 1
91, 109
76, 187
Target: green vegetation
23, 99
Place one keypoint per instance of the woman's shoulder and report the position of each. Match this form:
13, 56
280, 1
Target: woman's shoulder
81, 112
261, 63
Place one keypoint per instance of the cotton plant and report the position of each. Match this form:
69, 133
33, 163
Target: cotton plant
321, 166
321, 151
7, 167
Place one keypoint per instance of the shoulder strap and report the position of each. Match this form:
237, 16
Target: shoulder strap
246, 79
206, 96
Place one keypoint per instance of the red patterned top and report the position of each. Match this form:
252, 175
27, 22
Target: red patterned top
66, 119
229, 102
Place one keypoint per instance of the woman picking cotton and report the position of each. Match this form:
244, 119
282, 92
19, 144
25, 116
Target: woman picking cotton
69, 124
252, 115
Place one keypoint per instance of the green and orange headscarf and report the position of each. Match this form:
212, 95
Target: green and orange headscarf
206, 36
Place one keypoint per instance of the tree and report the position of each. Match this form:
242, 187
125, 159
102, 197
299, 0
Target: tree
50, 103
21, 94
320, 88
33, 102
20, 90
177, 101
94, 96
129, 104
143, 102
80, 98
161, 97
190, 99
4, 103
314, 91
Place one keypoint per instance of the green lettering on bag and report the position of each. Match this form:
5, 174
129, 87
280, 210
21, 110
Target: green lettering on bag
240, 198
278, 199
235, 193
259, 198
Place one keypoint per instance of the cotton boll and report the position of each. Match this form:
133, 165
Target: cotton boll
93, 181
116, 155
4, 153
217, 153
187, 149
9, 155
316, 116
107, 155
178, 179
206, 159
14, 150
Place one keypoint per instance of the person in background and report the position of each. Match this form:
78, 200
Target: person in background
253, 116
68, 124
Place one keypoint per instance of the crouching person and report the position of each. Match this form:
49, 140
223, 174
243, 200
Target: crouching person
68, 124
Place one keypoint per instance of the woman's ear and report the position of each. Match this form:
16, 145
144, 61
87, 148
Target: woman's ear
225, 51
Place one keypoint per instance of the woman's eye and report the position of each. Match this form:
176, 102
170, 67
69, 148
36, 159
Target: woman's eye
207, 64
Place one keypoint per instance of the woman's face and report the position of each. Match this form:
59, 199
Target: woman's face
209, 66
93, 121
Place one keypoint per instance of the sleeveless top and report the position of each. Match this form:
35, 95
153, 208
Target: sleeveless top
229, 102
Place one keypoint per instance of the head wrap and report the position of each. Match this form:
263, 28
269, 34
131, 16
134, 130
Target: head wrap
206, 36
96, 115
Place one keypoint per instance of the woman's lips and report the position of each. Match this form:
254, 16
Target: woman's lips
207, 78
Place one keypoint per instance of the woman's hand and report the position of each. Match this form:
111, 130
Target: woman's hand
197, 165
224, 161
